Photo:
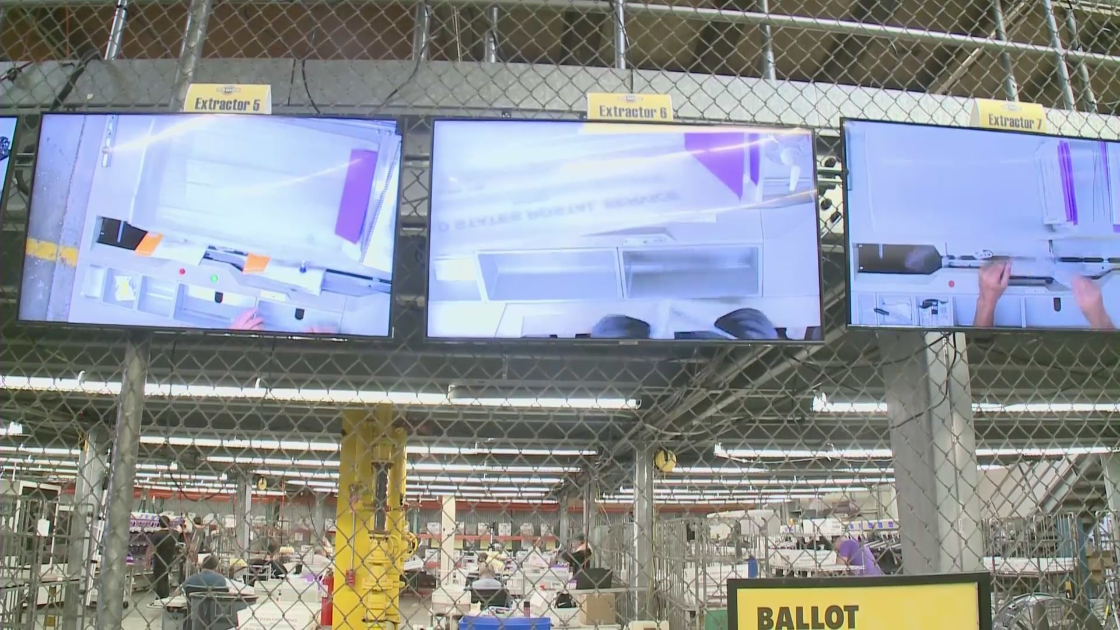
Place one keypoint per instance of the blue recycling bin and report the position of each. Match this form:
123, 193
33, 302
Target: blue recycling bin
477, 622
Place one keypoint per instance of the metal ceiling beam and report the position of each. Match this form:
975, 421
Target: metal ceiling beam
798, 22
847, 51
1004, 22
1057, 494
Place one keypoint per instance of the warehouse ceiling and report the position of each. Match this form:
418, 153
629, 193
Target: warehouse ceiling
689, 398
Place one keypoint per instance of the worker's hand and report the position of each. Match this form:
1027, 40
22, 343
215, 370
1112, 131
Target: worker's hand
1089, 300
994, 277
248, 320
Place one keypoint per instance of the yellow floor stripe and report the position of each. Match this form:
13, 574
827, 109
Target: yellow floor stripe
46, 250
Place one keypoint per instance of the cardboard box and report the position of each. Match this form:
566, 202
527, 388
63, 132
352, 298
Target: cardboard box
1099, 561
597, 609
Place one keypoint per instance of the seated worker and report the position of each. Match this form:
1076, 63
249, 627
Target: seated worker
486, 580
578, 556
208, 579
277, 570
994, 277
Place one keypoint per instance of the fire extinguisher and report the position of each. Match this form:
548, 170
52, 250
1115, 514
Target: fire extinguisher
326, 609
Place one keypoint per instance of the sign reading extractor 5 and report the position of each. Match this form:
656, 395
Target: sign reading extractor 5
921, 602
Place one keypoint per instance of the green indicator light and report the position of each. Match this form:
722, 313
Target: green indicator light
214, 278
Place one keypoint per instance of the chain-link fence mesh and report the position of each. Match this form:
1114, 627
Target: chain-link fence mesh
938, 454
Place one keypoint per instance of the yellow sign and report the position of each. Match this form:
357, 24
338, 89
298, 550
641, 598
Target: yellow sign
636, 107
919, 602
218, 98
989, 114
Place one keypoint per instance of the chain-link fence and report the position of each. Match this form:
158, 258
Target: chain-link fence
130, 458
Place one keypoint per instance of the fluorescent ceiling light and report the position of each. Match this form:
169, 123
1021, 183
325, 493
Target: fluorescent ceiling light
484, 480
308, 395
412, 465
721, 470
38, 450
815, 491
1048, 407
13, 428
824, 481
821, 404
725, 499
332, 447
884, 453
831, 453
1045, 452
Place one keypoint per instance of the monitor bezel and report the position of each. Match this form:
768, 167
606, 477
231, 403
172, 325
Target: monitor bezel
215, 332
849, 288
560, 341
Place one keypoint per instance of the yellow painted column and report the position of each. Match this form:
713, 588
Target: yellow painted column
372, 542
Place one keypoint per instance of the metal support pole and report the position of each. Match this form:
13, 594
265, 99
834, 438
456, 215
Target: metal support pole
194, 40
620, 39
89, 486
929, 405
564, 527
768, 71
643, 532
116, 32
122, 482
1088, 99
1010, 87
590, 510
421, 32
490, 46
447, 507
1059, 55
1110, 462
243, 513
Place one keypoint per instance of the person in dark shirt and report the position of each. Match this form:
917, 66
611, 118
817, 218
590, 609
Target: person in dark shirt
208, 579
162, 549
579, 556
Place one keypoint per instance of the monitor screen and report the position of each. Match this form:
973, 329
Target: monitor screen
950, 227
266, 224
577, 230
7, 147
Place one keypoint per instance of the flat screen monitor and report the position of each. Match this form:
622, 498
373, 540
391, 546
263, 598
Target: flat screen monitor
266, 224
7, 147
585, 230
950, 227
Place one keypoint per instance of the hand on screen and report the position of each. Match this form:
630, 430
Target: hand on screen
1091, 303
993, 278
248, 320
322, 330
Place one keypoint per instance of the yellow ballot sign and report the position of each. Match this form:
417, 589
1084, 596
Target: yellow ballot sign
990, 114
914, 602
629, 107
224, 98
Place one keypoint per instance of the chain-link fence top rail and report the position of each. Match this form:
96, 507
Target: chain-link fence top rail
801, 432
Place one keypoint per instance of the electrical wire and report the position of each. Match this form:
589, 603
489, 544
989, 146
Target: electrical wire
411, 76
303, 60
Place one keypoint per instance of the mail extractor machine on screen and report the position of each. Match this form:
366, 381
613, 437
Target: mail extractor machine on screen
260, 223
572, 230
943, 220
